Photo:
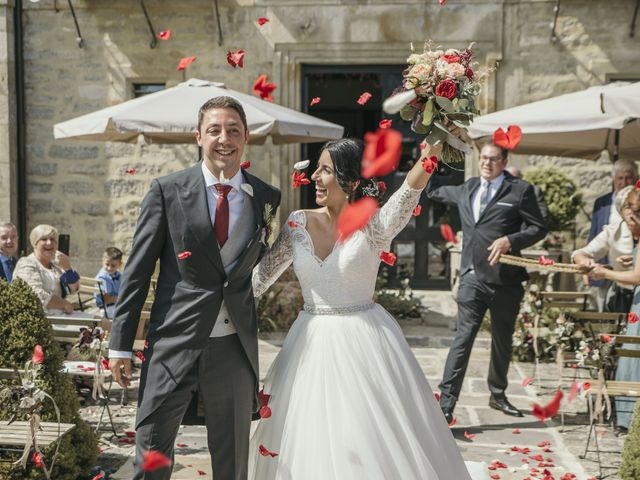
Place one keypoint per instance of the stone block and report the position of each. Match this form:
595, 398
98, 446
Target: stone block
38, 206
42, 169
88, 168
73, 152
92, 209
34, 187
120, 188
78, 188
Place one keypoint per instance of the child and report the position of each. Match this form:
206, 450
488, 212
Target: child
109, 276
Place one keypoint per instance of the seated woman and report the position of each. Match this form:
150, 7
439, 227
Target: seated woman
628, 369
48, 271
616, 242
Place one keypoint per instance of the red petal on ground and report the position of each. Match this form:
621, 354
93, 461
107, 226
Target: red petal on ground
185, 62
495, 476
128, 441
417, 211
516, 431
549, 410
130, 434
537, 458
245, 164
385, 123
184, 255
544, 443
568, 476
165, 34
314, 101
236, 59
442, 2
527, 381
263, 88
447, 233
469, 436
38, 355
202, 472
154, 460
633, 317
262, 20
430, 164
264, 451
181, 445
388, 257
355, 216
381, 152
131, 171
364, 98
509, 139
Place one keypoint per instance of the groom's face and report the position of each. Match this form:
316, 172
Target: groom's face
222, 137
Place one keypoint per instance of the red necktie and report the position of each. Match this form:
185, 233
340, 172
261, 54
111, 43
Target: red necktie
221, 224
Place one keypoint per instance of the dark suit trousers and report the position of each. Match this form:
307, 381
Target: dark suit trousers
474, 299
226, 382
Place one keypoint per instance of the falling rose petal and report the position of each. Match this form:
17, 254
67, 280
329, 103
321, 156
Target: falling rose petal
38, 355
430, 164
245, 164
453, 422
542, 260
130, 434
385, 123
633, 317
381, 152
442, 2
447, 233
469, 436
130, 171
382, 187
262, 21
298, 179
184, 255
140, 356
165, 34
509, 139
292, 224
105, 363
185, 62
436, 395
301, 165
181, 445
236, 59
527, 381
265, 452
128, 441
364, 98
575, 389
417, 211
98, 476
265, 412
605, 338
37, 459
586, 386
388, 257
263, 88
146, 344
638, 184
154, 460
516, 431
314, 101
355, 216
549, 410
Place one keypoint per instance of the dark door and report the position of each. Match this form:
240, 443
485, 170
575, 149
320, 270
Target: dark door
420, 247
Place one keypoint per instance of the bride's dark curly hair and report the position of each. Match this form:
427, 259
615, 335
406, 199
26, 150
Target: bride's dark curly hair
346, 155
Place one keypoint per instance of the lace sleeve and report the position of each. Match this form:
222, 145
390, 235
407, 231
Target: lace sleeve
394, 215
274, 262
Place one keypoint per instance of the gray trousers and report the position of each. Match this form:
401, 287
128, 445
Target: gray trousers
474, 299
226, 382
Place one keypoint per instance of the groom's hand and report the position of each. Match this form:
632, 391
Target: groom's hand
121, 370
497, 248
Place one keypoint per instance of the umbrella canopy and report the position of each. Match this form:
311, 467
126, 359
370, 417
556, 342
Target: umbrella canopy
170, 116
580, 124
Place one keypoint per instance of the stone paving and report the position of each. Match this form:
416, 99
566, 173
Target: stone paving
482, 434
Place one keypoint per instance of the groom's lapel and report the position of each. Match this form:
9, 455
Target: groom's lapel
192, 196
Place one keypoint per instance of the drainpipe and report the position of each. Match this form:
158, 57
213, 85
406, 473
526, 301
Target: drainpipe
21, 153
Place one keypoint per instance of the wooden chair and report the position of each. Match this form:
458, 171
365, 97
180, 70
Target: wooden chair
13, 437
606, 390
61, 327
86, 295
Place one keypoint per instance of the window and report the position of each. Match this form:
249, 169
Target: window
141, 89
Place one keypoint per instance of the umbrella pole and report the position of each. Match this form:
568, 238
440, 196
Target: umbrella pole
616, 145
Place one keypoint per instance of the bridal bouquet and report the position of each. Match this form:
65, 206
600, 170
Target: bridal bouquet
439, 88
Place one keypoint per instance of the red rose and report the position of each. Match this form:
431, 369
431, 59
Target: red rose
447, 89
450, 58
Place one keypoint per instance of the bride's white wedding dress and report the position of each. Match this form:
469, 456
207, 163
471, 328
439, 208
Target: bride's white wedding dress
348, 398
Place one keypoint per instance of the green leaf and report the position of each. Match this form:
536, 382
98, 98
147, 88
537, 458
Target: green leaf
407, 112
427, 114
436, 136
463, 102
441, 127
445, 104
421, 128
461, 123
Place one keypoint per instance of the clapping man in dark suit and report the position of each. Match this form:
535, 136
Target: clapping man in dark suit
8, 249
624, 173
208, 227
499, 214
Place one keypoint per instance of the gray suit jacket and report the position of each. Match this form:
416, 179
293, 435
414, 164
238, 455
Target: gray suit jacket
174, 218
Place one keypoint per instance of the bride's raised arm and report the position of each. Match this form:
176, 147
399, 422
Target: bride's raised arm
274, 262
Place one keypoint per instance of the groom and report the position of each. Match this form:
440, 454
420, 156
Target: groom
499, 214
206, 226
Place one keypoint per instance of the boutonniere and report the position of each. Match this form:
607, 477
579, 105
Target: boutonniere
267, 221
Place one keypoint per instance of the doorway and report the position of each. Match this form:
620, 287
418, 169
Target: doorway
420, 248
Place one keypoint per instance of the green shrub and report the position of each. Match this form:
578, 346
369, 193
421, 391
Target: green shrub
279, 306
561, 194
630, 468
22, 326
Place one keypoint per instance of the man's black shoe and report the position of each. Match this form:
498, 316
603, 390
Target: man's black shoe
504, 406
448, 416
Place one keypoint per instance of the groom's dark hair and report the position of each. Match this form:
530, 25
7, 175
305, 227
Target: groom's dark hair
222, 102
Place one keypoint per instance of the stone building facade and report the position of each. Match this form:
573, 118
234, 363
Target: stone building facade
83, 188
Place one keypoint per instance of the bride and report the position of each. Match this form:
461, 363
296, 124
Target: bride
348, 399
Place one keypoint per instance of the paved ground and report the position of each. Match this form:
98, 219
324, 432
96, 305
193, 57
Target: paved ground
490, 435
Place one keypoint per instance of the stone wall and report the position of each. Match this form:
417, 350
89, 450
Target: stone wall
83, 188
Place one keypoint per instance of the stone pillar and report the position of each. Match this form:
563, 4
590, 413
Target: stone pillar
8, 143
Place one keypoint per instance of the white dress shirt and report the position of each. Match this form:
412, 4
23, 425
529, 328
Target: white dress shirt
475, 201
224, 325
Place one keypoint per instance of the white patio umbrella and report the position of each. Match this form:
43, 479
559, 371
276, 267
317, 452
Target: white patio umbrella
170, 116
580, 124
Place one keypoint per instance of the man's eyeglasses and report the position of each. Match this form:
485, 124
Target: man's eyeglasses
490, 159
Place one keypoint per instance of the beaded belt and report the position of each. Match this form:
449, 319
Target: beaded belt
327, 310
